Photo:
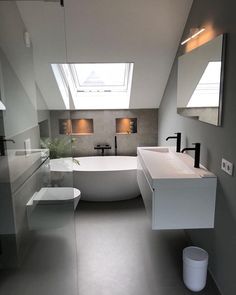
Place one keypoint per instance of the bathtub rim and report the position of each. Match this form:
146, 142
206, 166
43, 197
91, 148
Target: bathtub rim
94, 170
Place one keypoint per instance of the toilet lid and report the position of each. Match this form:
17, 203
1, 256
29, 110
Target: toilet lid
56, 195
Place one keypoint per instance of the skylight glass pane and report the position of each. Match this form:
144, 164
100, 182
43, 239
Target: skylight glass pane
101, 76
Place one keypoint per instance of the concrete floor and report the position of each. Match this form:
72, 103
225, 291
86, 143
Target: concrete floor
50, 267
107, 249
119, 254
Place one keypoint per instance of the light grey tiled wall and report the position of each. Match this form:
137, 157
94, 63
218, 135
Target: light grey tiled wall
104, 123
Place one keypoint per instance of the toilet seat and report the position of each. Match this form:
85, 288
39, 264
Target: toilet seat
52, 207
57, 195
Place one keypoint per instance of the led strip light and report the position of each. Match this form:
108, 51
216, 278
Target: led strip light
193, 36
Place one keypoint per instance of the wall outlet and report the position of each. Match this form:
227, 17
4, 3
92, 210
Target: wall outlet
227, 166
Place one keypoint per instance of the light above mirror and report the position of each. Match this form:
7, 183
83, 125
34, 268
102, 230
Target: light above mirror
194, 33
200, 82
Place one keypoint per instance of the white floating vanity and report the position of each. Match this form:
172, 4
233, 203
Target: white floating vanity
176, 195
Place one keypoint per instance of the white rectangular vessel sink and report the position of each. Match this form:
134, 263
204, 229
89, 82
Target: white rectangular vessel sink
176, 195
157, 149
165, 163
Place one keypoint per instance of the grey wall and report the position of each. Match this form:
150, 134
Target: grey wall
43, 112
105, 130
18, 88
18, 73
20, 113
32, 133
217, 142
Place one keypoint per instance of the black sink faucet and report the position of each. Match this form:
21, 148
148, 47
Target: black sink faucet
178, 140
197, 153
2, 144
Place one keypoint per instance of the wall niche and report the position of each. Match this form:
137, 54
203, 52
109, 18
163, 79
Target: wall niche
76, 126
126, 125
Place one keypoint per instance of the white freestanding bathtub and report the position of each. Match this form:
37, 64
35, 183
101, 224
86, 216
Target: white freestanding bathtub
109, 178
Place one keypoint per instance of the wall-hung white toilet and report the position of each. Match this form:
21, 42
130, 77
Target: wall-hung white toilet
52, 207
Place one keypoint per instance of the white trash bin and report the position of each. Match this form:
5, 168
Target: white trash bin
195, 262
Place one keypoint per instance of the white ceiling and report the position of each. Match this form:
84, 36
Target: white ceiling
146, 32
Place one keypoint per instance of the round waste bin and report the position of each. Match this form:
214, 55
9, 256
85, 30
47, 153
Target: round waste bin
195, 261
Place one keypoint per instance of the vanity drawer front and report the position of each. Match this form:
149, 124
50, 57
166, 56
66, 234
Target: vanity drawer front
146, 191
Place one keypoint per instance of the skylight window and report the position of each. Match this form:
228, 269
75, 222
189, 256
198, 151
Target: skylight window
95, 85
101, 77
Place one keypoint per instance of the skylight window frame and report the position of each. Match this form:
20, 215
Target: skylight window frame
105, 88
101, 98
62, 83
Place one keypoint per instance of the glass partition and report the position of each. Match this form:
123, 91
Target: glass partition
37, 199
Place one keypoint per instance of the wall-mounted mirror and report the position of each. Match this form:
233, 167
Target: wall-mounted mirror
200, 82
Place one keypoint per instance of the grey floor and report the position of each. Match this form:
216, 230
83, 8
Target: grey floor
50, 267
119, 254
108, 249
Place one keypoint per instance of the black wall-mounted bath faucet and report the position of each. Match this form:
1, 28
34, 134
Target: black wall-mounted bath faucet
178, 141
197, 153
102, 147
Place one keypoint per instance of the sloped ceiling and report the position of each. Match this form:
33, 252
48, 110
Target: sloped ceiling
146, 32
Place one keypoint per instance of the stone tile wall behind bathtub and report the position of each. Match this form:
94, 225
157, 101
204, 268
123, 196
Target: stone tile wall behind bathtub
104, 123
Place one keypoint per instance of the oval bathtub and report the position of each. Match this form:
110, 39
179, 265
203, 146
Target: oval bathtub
109, 178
